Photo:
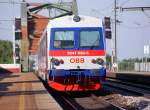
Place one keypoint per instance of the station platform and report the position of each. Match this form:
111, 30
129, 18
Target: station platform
24, 91
136, 77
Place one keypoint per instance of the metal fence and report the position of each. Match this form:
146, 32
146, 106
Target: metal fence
134, 66
126, 66
142, 67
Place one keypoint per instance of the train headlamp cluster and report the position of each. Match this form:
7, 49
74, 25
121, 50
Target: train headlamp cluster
99, 61
76, 18
57, 62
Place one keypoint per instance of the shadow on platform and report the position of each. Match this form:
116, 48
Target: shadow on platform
5, 74
16, 93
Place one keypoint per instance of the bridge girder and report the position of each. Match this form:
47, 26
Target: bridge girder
32, 24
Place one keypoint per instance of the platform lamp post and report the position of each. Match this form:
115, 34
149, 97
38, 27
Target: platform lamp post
146, 53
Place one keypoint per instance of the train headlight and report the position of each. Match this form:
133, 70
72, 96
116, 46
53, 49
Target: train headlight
93, 61
55, 61
61, 61
100, 61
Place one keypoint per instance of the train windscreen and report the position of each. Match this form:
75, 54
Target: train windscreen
64, 39
89, 39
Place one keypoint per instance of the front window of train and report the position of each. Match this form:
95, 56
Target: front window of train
89, 39
64, 39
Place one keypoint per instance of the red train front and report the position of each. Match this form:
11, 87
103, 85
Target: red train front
71, 55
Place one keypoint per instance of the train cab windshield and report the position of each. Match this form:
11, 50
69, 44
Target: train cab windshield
64, 39
79, 39
89, 39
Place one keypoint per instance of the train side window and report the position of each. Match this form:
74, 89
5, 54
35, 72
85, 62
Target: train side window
64, 39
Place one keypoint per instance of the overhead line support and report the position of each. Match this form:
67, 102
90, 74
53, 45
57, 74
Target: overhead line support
135, 8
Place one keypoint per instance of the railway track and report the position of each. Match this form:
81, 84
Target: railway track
142, 86
130, 96
100, 100
90, 101
131, 88
82, 100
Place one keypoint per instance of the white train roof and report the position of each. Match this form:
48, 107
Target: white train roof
67, 21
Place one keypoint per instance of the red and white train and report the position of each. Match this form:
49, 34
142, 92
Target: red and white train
71, 54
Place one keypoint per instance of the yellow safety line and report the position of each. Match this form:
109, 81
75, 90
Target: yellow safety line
22, 98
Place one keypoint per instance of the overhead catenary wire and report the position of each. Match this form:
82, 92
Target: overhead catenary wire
7, 20
139, 25
101, 11
6, 29
125, 2
134, 27
146, 14
108, 7
10, 2
15, 2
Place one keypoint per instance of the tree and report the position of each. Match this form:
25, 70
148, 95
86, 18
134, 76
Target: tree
108, 61
6, 52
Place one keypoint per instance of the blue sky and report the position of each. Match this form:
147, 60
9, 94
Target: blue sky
132, 33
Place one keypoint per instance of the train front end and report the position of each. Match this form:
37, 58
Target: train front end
76, 54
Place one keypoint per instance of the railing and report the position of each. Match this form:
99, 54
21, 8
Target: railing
130, 67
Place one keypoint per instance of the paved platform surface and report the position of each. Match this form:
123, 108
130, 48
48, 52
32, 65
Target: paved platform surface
24, 91
137, 77
128, 72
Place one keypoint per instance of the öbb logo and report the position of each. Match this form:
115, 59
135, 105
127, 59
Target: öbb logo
77, 60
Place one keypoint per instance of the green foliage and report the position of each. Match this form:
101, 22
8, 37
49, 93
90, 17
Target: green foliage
6, 52
108, 59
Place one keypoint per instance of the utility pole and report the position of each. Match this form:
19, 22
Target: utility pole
114, 39
115, 30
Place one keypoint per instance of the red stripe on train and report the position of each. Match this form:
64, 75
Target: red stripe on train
76, 53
